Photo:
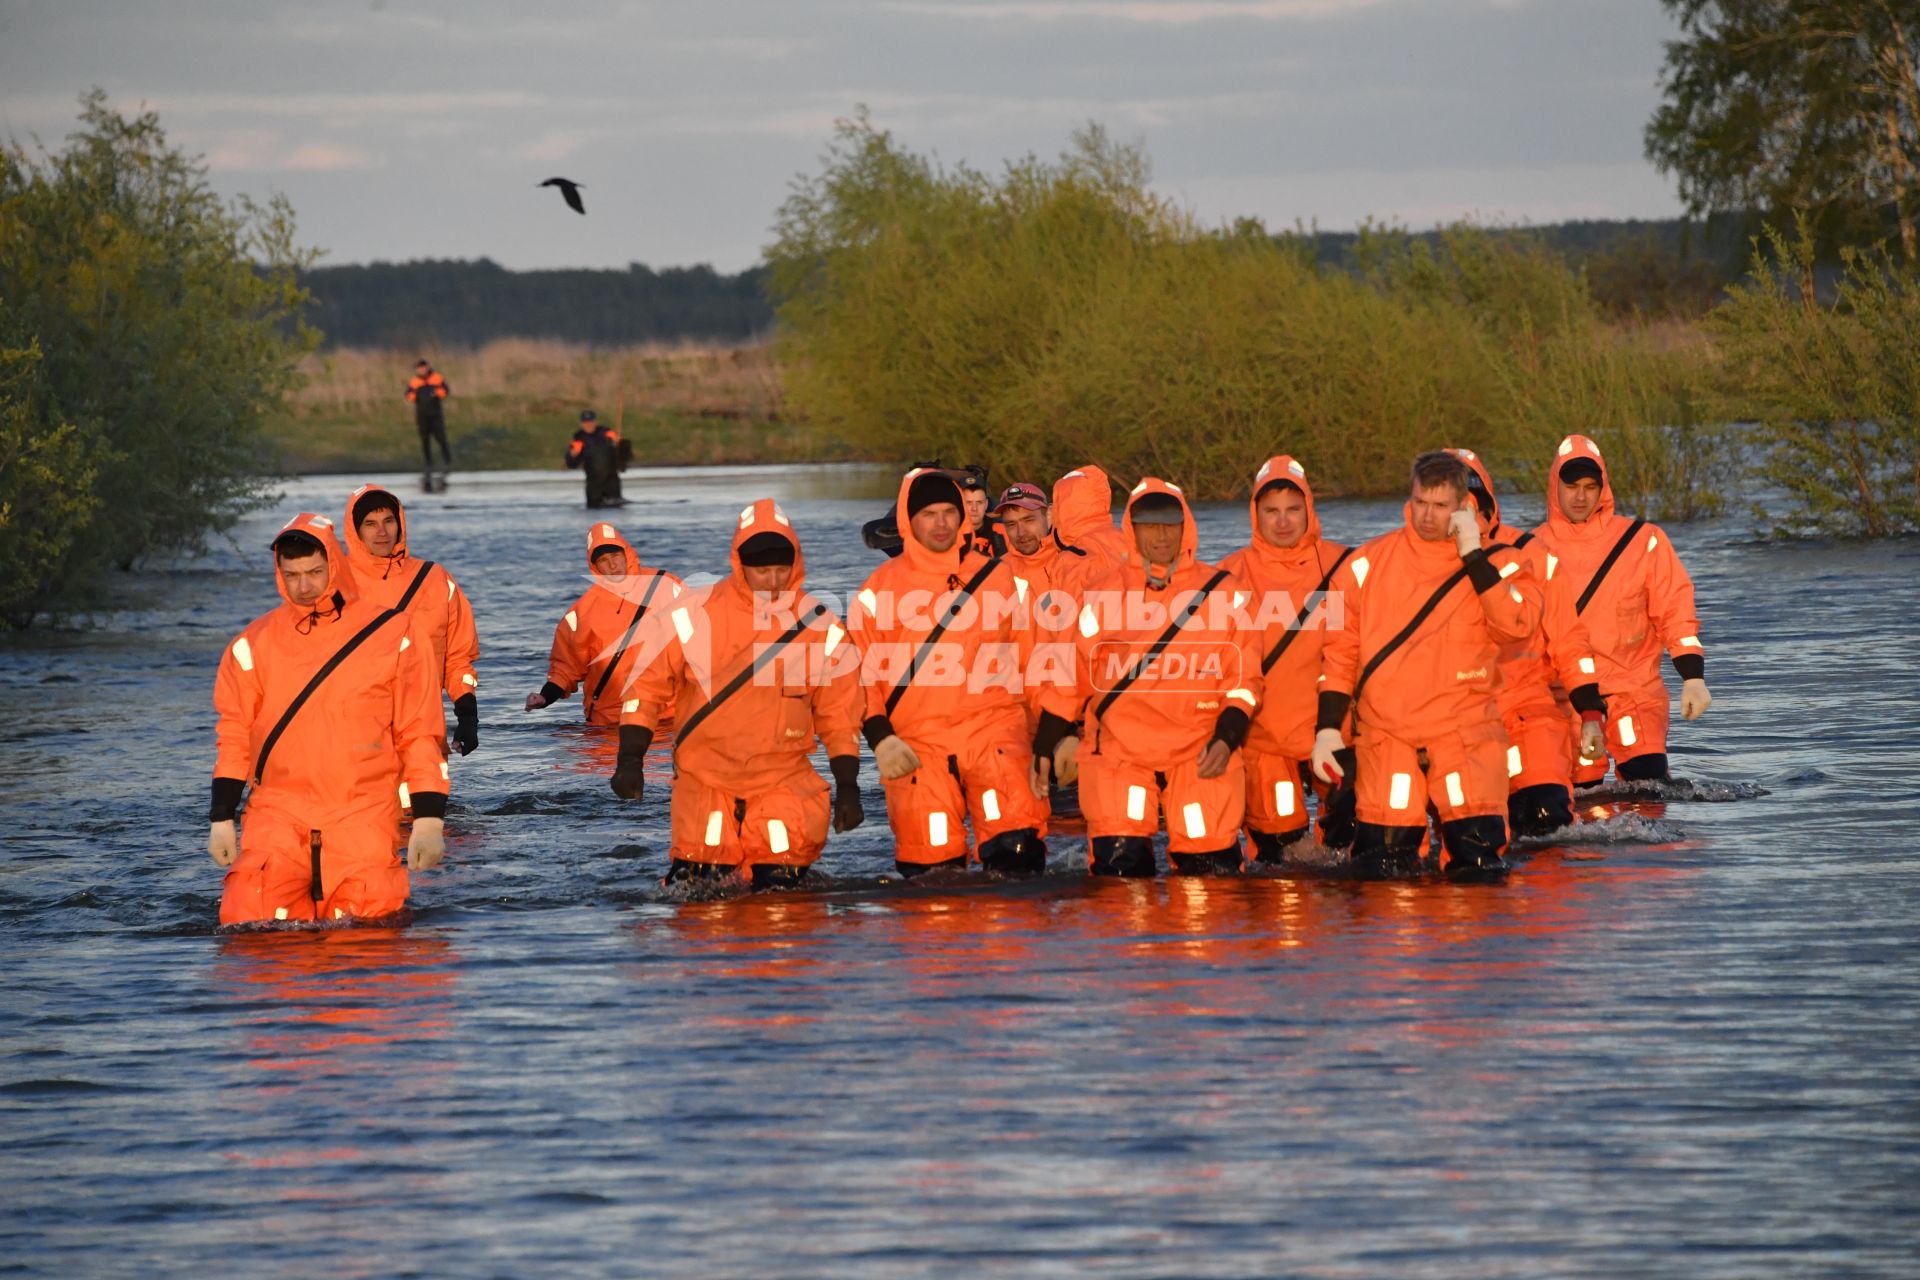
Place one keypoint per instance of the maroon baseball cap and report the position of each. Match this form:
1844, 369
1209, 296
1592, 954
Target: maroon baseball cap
1029, 496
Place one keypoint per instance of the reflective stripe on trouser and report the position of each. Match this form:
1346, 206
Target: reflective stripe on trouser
784, 824
927, 807
1635, 727
1276, 796
1465, 777
1120, 798
273, 877
1540, 748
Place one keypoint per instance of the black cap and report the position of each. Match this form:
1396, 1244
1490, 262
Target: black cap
1580, 469
596, 553
1278, 482
930, 489
972, 476
764, 549
588, 415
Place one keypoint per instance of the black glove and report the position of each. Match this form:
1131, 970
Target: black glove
627, 781
848, 812
466, 723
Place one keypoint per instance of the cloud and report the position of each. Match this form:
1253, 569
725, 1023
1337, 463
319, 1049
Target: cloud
1153, 12
268, 151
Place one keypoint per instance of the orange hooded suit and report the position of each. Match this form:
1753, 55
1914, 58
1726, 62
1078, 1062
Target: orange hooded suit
596, 643
1427, 722
320, 828
1141, 752
1643, 605
744, 792
963, 713
1282, 582
1083, 515
445, 616
1539, 677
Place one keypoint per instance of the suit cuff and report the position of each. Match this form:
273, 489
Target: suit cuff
1691, 666
429, 804
226, 799
1231, 727
634, 741
466, 707
845, 770
1483, 572
876, 730
1333, 711
551, 693
1048, 734
1586, 699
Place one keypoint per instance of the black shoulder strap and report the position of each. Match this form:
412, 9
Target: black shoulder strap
300, 700
625, 640
933, 637
1314, 598
1599, 575
746, 673
1523, 540
1405, 633
1141, 662
426, 567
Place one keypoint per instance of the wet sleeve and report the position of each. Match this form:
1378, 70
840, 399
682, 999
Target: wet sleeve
1569, 647
236, 703
1340, 651
1510, 596
419, 719
837, 703
659, 667
1670, 602
463, 643
566, 662
875, 659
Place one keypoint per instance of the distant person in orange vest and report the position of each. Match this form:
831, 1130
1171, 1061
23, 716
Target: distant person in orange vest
599, 451
425, 391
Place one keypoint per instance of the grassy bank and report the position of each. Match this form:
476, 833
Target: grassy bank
516, 403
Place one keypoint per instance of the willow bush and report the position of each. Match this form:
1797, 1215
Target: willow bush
1061, 313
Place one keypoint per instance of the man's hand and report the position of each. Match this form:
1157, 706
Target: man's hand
1465, 530
466, 717
1213, 761
1694, 699
535, 701
1040, 777
848, 812
427, 845
223, 843
1066, 760
1325, 767
628, 780
895, 758
1593, 741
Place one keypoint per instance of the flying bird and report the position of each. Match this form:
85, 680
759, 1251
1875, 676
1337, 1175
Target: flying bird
570, 190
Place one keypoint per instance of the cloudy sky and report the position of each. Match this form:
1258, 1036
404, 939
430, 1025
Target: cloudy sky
405, 129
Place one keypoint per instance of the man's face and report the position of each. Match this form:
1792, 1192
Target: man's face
611, 563
976, 500
380, 531
1282, 516
306, 577
1158, 543
767, 579
1432, 508
936, 527
1025, 527
1579, 498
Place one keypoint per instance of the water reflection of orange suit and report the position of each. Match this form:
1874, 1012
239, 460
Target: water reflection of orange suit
961, 715
321, 826
1541, 677
745, 794
1427, 723
1141, 755
1644, 604
1281, 740
591, 633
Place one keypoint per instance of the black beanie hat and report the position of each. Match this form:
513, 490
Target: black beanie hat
1580, 469
931, 489
374, 500
764, 549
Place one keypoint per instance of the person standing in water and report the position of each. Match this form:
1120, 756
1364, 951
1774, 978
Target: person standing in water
427, 392
597, 642
601, 455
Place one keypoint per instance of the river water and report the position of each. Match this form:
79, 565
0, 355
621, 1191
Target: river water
1681, 1043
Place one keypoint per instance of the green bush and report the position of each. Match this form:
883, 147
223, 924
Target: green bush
168, 322
47, 469
1061, 313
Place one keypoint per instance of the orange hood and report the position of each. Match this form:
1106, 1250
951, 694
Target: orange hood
765, 516
1570, 448
1282, 467
1479, 469
363, 560
629, 588
924, 560
339, 582
1189, 531
1082, 505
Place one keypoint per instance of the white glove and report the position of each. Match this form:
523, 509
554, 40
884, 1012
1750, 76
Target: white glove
1694, 699
1593, 741
1325, 743
1465, 530
223, 843
895, 758
427, 845
1066, 761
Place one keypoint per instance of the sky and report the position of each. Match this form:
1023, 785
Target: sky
402, 129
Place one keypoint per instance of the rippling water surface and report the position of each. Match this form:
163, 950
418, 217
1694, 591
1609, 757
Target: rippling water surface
1682, 1043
